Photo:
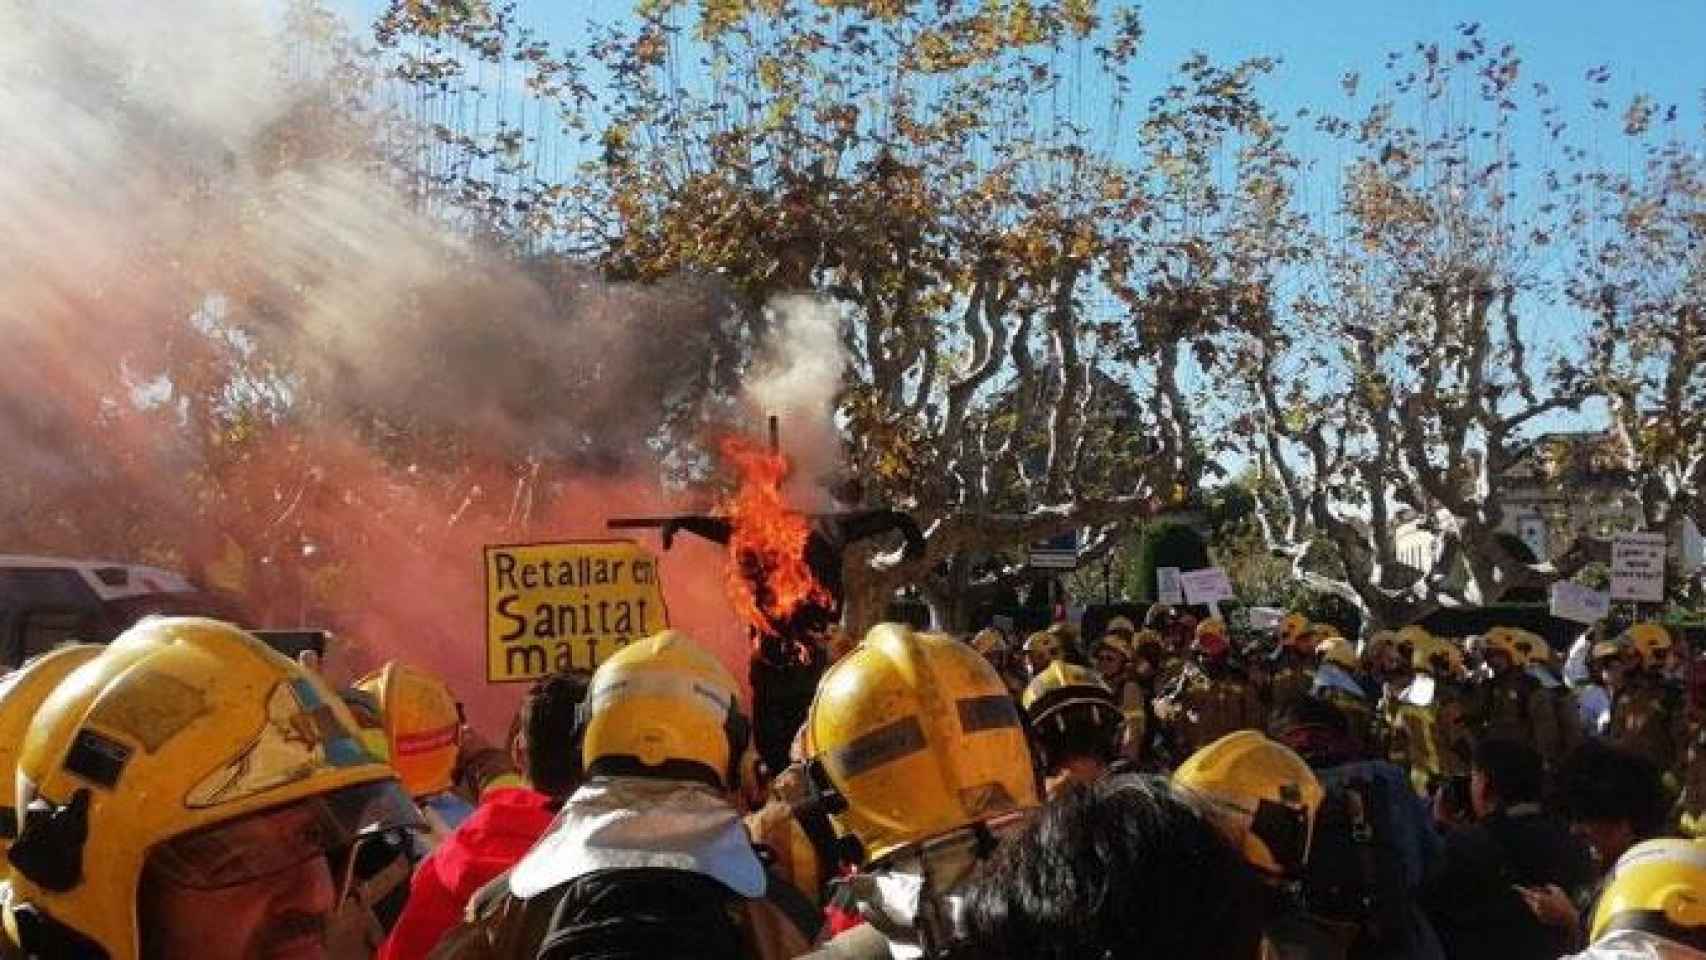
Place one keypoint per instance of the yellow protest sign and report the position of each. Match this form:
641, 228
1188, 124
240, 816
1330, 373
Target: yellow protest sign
562, 606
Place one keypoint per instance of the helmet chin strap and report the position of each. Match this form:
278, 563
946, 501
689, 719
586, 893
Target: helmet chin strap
49, 850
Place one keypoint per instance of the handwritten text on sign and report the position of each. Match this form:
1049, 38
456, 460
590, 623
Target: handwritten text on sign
1638, 567
563, 606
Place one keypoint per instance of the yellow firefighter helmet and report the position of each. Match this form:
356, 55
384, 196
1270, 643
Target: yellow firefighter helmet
1508, 641
1065, 686
989, 640
1659, 887
1046, 643
421, 722
1533, 648
1338, 650
171, 750
1211, 637
916, 736
1265, 794
1438, 656
21, 694
1414, 636
1121, 625
1651, 641
1120, 643
1293, 630
665, 707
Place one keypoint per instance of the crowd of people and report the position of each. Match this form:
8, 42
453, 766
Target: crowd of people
1154, 791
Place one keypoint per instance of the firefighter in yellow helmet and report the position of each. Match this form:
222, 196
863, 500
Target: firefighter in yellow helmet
189, 792
1265, 798
1653, 906
1292, 670
1338, 681
992, 644
1648, 712
1043, 648
921, 761
1435, 741
1212, 697
1124, 669
1076, 724
1512, 704
21, 694
420, 734
650, 855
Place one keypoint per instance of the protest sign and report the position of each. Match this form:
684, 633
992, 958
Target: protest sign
562, 606
1638, 567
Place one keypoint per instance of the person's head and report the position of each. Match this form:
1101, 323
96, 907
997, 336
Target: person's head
1043, 648
1114, 655
1435, 657
1602, 660
1336, 650
1502, 650
992, 644
191, 792
1264, 796
21, 694
1613, 798
1652, 647
913, 735
1212, 644
1657, 888
1123, 868
1074, 717
1505, 773
664, 708
542, 744
420, 722
1316, 730
1294, 633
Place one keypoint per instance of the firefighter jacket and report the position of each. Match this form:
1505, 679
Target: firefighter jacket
1517, 707
1434, 731
1292, 678
1647, 717
1207, 703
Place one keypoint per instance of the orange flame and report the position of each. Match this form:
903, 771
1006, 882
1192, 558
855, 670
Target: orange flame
769, 579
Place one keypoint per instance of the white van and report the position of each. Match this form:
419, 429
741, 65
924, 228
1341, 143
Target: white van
46, 601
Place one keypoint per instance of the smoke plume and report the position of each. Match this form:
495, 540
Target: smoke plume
232, 344
798, 379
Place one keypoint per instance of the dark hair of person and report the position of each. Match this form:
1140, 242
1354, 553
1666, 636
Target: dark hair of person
1512, 768
1599, 782
1317, 730
547, 720
1123, 868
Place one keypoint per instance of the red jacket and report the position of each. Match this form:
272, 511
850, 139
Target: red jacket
493, 838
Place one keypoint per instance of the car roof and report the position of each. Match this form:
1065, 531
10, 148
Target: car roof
111, 580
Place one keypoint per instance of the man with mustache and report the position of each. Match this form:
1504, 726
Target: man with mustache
191, 793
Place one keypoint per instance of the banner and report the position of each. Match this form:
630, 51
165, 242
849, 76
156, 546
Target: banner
1572, 601
567, 606
1208, 585
1638, 567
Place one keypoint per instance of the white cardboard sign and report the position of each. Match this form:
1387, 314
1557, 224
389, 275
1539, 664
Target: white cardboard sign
1167, 586
1572, 601
1208, 585
1638, 567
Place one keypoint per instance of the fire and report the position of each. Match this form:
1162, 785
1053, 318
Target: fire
769, 579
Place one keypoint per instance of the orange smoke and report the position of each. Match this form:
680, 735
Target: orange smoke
769, 579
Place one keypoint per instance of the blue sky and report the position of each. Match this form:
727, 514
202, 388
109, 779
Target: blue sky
1652, 46
1656, 45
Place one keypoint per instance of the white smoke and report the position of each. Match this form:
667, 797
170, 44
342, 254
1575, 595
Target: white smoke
798, 379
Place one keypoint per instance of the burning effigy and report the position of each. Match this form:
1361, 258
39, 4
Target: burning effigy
784, 580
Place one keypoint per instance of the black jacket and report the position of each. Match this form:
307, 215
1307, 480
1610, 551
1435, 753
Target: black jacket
1471, 897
